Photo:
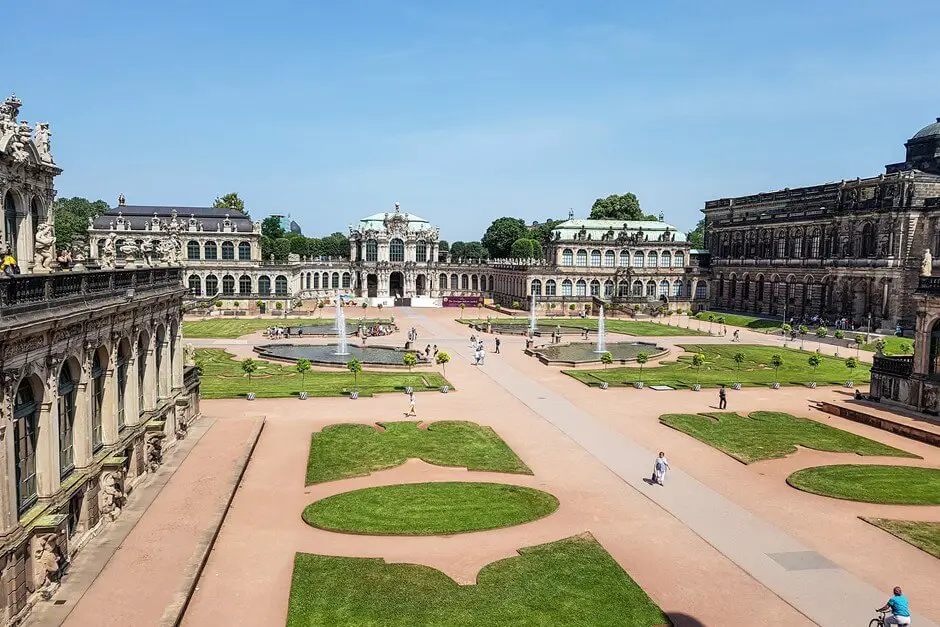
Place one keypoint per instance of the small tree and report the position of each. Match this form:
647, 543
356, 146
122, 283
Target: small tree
410, 360
218, 304
859, 340
642, 358
516, 304
906, 348
235, 304
851, 363
820, 333
711, 319
462, 307
803, 329
302, 367
880, 345
814, 362
355, 367
839, 334
636, 310
258, 303
572, 307
365, 305
607, 359
739, 359
442, 358
320, 305
787, 329
776, 361
380, 305
698, 360
279, 305
720, 320
249, 366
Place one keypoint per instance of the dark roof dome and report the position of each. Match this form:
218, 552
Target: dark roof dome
931, 130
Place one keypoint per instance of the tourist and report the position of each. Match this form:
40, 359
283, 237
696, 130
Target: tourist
858, 395
735, 337
411, 404
9, 264
722, 398
65, 259
660, 466
900, 610
427, 352
497, 346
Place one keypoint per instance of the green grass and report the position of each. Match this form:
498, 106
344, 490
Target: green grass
567, 583
887, 485
427, 509
237, 327
893, 345
769, 435
738, 320
353, 450
720, 368
627, 327
222, 377
924, 535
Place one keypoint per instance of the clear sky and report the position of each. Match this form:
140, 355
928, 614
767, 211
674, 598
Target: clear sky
468, 111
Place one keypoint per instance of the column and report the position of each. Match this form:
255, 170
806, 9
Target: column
177, 353
164, 372
9, 516
47, 446
150, 375
109, 406
81, 431
132, 407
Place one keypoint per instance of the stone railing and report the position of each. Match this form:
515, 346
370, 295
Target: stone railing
901, 366
929, 285
24, 293
190, 377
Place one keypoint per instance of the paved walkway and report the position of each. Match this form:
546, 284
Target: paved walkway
812, 584
148, 577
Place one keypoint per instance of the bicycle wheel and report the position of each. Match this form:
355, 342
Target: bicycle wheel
876, 622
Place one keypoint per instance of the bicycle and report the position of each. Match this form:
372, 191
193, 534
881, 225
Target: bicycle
880, 621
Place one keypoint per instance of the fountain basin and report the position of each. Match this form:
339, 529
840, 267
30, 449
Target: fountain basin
325, 354
584, 353
523, 329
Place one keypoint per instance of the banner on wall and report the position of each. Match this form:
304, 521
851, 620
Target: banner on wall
466, 301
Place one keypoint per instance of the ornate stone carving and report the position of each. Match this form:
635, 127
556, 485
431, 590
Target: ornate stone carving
926, 265
43, 136
112, 493
45, 248
108, 254
46, 562
155, 449
189, 354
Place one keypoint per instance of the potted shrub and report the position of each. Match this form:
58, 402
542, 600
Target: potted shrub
787, 329
516, 304
814, 364
364, 305
851, 363
739, 358
839, 335
820, 333
880, 344
355, 367
442, 359
302, 367
803, 330
711, 319
607, 359
776, 361
249, 367
641, 358
636, 311
572, 307
410, 360
698, 360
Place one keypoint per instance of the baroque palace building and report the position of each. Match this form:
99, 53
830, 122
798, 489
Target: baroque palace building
93, 383
849, 249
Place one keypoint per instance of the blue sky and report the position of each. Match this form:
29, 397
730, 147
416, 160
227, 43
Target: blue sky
468, 111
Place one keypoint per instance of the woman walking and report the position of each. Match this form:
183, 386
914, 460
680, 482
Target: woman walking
659, 469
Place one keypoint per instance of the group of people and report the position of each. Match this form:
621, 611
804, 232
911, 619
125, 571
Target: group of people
277, 333
427, 355
375, 330
479, 351
412, 334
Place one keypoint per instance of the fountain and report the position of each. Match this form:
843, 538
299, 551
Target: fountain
341, 347
601, 334
533, 321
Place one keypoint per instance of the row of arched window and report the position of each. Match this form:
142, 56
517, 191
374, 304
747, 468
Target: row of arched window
638, 288
210, 251
13, 219
326, 280
473, 282
609, 259
796, 243
228, 285
396, 250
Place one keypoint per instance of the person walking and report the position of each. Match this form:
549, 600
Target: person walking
411, 404
660, 466
722, 398
497, 346
735, 338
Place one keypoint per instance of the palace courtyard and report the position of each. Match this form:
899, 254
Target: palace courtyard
534, 507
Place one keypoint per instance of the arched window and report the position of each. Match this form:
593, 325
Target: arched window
211, 251
192, 250
264, 285
595, 259
610, 259
677, 288
638, 259
334, 282
442, 282
244, 284
26, 434
567, 257
595, 288
35, 214
664, 288
580, 288
623, 289
566, 287
326, 280
492, 282
637, 288
733, 287
701, 289
97, 400
815, 242
608, 288
679, 260
66, 406
141, 371
195, 285
581, 258
280, 285
158, 343
212, 285
396, 250
228, 285
11, 224
550, 287
347, 280
624, 258
652, 260
372, 250
934, 363
228, 251
122, 363
536, 288
464, 282
868, 240
651, 288
244, 251
454, 282
421, 251
316, 280
666, 259
308, 279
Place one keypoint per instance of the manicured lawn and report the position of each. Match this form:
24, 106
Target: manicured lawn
354, 450
893, 345
888, 485
237, 327
738, 320
427, 509
720, 368
222, 377
568, 583
627, 327
924, 535
768, 435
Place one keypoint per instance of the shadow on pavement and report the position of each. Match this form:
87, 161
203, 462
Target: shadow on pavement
684, 620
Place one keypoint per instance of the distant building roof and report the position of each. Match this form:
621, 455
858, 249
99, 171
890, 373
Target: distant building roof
652, 229
139, 215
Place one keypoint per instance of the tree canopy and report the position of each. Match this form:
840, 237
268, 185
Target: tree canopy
71, 219
543, 232
335, 245
230, 201
467, 250
697, 235
501, 234
271, 227
615, 207
526, 248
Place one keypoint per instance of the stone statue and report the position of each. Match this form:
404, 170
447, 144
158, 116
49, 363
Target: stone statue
926, 266
108, 253
129, 250
146, 249
155, 450
112, 494
189, 354
45, 248
120, 200
21, 136
45, 561
43, 136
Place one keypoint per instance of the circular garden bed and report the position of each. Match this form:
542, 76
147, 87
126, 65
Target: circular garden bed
887, 485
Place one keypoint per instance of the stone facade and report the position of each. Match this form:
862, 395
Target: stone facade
849, 249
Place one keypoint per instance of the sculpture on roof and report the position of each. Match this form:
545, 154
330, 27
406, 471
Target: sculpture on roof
108, 253
22, 135
44, 248
926, 265
43, 136
120, 200
9, 110
146, 249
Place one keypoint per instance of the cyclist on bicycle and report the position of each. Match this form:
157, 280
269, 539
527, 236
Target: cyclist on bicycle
900, 612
